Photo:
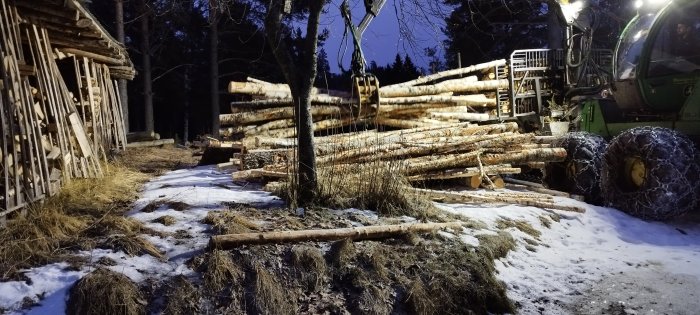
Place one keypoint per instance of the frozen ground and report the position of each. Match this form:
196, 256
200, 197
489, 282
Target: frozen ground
602, 261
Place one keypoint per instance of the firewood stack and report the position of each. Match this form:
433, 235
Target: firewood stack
59, 111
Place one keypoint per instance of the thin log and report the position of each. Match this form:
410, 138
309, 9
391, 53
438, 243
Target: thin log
153, 143
97, 57
450, 73
472, 100
244, 118
465, 197
466, 172
461, 116
231, 241
432, 89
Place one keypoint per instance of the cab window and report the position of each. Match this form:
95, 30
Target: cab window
676, 48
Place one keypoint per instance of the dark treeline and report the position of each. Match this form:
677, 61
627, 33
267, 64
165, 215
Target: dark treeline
178, 33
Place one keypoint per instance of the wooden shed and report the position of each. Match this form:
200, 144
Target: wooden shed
60, 111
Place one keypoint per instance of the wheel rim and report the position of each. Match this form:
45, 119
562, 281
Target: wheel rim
635, 171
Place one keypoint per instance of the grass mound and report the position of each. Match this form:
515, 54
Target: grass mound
182, 296
221, 272
378, 186
521, 225
105, 292
309, 266
166, 220
269, 295
132, 245
229, 222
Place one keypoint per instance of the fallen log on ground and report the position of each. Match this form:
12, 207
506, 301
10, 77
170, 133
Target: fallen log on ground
231, 241
543, 201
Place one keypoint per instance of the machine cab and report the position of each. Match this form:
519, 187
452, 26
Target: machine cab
657, 60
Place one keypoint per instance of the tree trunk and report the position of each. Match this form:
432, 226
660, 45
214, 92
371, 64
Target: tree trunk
146, 64
186, 107
214, 66
300, 79
123, 92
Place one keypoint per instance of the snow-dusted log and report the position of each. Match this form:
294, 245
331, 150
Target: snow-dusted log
541, 201
472, 100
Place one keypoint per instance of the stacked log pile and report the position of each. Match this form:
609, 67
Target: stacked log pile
58, 118
478, 153
441, 98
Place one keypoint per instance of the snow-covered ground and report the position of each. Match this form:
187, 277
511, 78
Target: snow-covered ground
602, 260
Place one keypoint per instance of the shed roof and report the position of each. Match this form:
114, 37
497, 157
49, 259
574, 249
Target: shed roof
74, 30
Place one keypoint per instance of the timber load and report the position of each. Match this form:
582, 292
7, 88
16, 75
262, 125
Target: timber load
61, 115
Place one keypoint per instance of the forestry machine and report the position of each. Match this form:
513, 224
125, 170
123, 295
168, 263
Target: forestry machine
644, 98
364, 85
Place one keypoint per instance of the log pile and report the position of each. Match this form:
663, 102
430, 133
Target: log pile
466, 94
480, 154
60, 115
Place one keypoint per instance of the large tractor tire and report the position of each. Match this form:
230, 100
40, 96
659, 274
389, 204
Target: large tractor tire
652, 173
580, 172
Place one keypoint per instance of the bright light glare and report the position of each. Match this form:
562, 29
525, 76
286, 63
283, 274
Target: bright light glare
571, 10
649, 3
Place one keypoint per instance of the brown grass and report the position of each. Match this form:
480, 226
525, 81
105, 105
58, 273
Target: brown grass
309, 267
375, 186
229, 222
269, 295
221, 272
166, 220
342, 253
132, 245
183, 298
521, 225
545, 221
84, 210
374, 301
497, 246
105, 292
157, 160
419, 300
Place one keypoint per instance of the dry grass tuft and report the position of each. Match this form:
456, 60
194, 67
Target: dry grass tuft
309, 267
419, 300
462, 280
269, 295
229, 222
84, 210
132, 245
178, 205
376, 186
183, 298
112, 193
497, 246
221, 272
166, 220
342, 253
105, 292
521, 225
157, 160
545, 221
375, 301
36, 239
